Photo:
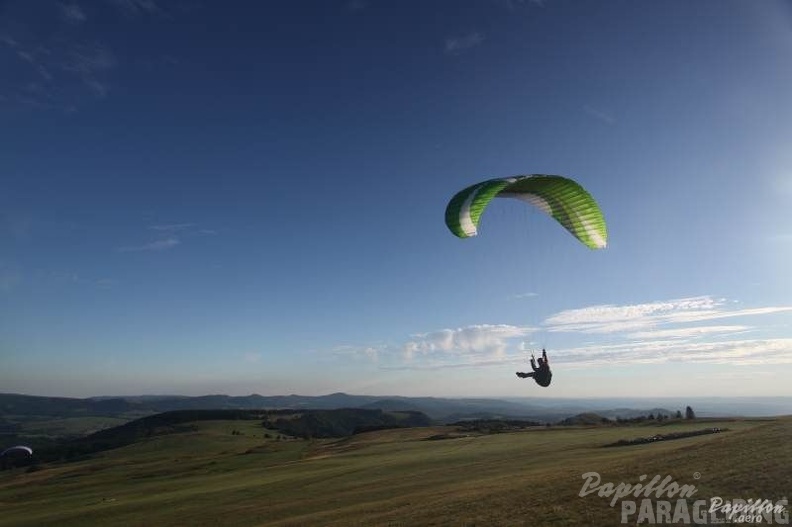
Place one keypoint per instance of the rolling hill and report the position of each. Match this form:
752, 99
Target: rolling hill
237, 473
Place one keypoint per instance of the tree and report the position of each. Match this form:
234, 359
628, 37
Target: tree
689, 413
679, 414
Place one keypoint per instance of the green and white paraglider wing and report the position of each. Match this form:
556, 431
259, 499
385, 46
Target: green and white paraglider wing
562, 198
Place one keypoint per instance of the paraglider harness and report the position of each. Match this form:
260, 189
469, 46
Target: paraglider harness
541, 373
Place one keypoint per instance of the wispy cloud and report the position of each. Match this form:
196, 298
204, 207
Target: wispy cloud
8, 40
485, 339
614, 319
99, 89
476, 344
514, 4
181, 230
73, 13
134, 8
665, 331
56, 65
610, 318
106, 283
66, 64
167, 236
454, 45
369, 352
89, 59
599, 115
156, 245
173, 227
37, 60
522, 296
61, 277
737, 352
688, 333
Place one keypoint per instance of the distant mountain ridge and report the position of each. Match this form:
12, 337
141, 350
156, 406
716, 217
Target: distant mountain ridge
136, 406
16, 407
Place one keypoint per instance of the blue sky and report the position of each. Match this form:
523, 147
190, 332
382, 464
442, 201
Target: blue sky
204, 198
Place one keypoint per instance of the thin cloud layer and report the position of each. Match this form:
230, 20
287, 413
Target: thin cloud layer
134, 8
487, 340
734, 352
513, 5
167, 236
650, 333
173, 227
477, 344
156, 245
603, 319
599, 115
458, 44
687, 333
55, 56
73, 13
522, 296
53, 67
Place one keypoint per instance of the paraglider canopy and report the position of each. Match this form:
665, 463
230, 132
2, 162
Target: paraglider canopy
560, 197
19, 449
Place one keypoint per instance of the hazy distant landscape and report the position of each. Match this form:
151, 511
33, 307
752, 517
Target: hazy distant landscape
320, 461
24, 415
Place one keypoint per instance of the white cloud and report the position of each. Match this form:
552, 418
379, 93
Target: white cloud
599, 115
608, 313
687, 333
157, 245
61, 277
514, 4
604, 319
106, 283
73, 13
99, 89
87, 60
62, 54
66, 62
169, 235
736, 352
648, 333
478, 344
459, 44
486, 340
8, 40
172, 227
521, 296
136, 7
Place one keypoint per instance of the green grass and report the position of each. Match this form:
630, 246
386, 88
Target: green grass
69, 426
210, 477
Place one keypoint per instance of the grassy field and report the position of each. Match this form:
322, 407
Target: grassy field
211, 476
68, 426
